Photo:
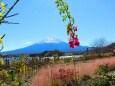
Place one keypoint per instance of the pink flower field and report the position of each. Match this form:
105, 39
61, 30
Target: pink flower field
46, 75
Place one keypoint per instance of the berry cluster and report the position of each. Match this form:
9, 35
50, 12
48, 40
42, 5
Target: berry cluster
73, 40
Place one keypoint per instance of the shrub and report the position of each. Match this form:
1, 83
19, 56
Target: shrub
113, 54
86, 77
103, 69
90, 56
101, 82
66, 60
84, 58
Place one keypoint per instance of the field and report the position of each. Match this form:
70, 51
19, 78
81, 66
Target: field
52, 75
24, 71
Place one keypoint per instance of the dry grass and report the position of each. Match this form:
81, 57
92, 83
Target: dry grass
45, 76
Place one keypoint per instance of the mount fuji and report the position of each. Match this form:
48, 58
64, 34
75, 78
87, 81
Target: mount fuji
48, 44
51, 40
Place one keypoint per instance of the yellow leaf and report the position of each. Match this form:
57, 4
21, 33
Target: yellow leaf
2, 84
0, 72
2, 4
3, 9
2, 62
1, 15
23, 68
6, 73
1, 42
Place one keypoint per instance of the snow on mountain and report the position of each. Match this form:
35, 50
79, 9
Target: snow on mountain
48, 44
51, 40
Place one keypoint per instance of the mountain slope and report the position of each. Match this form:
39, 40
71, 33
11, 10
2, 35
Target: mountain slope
47, 45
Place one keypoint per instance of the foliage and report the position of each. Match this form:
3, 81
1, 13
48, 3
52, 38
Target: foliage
48, 53
90, 56
56, 57
93, 55
103, 69
85, 57
23, 68
4, 12
66, 60
3, 15
113, 54
2, 62
63, 8
105, 79
12, 75
101, 82
18, 71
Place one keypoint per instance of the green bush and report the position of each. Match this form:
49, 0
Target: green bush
89, 56
103, 69
101, 82
66, 60
113, 54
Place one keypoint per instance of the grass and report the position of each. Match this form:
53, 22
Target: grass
46, 75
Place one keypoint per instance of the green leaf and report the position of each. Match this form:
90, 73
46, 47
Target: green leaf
57, 1
60, 13
64, 19
66, 7
57, 5
72, 20
68, 14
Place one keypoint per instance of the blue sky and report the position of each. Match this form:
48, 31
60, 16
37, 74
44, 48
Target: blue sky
40, 18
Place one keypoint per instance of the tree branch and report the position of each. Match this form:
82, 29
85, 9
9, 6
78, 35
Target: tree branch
12, 15
9, 22
3, 36
9, 10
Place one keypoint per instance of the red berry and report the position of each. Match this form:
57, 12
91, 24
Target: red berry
72, 35
71, 43
76, 41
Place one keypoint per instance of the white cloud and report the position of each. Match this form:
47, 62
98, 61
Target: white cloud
27, 43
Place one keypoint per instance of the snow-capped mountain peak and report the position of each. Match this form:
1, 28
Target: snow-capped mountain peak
49, 44
51, 40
